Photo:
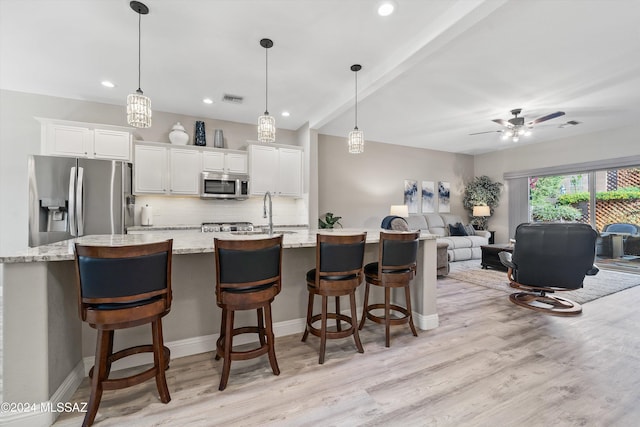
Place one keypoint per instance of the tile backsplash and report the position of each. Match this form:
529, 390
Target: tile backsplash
172, 210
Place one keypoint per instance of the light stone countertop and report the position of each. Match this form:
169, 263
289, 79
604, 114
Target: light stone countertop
184, 242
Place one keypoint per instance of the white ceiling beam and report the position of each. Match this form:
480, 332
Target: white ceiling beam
461, 16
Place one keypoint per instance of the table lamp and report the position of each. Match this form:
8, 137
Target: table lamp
481, 211
399, 210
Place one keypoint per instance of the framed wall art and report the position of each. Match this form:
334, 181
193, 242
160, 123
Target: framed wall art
428, 197
411, 195
444, 193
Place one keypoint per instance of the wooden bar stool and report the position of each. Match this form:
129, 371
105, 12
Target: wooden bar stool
122, 287
396, 267
338, 272
248, 277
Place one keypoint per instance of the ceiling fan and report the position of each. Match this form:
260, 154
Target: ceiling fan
516, 127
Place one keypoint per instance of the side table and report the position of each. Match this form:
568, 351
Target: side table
490, 256
492, 238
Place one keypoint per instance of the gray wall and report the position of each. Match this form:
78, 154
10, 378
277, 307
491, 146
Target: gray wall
361, 187
618, 143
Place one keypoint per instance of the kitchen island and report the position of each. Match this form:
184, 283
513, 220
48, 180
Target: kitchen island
47, 350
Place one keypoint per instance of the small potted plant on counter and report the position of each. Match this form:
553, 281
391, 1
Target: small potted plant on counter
329, 221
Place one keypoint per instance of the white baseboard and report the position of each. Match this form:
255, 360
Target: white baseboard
426, 322
42, 417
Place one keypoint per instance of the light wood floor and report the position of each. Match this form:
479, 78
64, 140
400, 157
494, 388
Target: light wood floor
490, 363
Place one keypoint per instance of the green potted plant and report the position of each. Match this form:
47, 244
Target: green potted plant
482, 191
329, 221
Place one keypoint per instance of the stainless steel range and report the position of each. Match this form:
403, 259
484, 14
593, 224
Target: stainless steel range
212, 227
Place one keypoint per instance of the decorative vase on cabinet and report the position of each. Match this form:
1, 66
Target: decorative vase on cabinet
218, 138
200, 138
178, 135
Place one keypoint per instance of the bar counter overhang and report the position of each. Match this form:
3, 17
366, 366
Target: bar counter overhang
47, 350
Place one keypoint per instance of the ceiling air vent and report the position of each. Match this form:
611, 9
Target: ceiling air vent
234, 99
569, 123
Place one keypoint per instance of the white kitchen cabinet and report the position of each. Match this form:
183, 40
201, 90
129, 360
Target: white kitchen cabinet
86, 140
290, 172
150, 169
218, 161
236, 162
263, 163
184, 171
111, 144
162, 169
213, 161
275, 169
64, 140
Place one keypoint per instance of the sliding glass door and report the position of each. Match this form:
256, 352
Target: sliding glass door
608, 200
560, 198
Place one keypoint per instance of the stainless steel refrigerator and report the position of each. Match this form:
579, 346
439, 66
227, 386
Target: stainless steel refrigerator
71, 197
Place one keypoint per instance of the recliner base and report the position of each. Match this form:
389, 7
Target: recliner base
549, 304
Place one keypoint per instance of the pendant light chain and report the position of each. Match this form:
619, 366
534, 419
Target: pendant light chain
139, 106
356, 77
266, 123
355, 140
139, 50
266, 81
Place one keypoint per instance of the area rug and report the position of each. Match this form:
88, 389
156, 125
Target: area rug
606, 282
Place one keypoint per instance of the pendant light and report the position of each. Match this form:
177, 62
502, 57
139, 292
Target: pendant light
138, 105
266, 123
356, 137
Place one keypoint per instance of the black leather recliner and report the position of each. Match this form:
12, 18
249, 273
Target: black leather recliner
550, 257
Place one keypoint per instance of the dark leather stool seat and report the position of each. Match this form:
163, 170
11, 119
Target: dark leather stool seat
122, 287
248, 277
338, 272
396, 267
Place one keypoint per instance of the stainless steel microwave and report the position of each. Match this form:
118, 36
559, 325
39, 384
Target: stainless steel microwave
218, 185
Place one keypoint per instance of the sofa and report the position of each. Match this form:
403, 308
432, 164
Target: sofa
461, 248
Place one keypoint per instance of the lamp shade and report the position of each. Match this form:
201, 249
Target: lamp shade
399, 210
481, 211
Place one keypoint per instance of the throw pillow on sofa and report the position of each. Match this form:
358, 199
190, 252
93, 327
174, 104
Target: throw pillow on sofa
470, 230
457, 230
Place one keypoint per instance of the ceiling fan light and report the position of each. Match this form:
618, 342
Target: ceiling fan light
516, 138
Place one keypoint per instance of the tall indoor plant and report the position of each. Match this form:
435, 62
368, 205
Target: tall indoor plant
482, 191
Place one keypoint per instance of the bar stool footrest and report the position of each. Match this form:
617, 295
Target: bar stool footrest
118, 383
247, 354
331, 334
404, 319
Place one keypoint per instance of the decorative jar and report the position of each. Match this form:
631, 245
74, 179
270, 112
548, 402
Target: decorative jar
178, 135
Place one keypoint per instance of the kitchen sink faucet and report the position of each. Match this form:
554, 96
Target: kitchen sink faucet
264, 211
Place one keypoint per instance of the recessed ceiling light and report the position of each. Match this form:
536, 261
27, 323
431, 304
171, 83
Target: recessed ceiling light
208, 101
386, 8
107, 83
285, 114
